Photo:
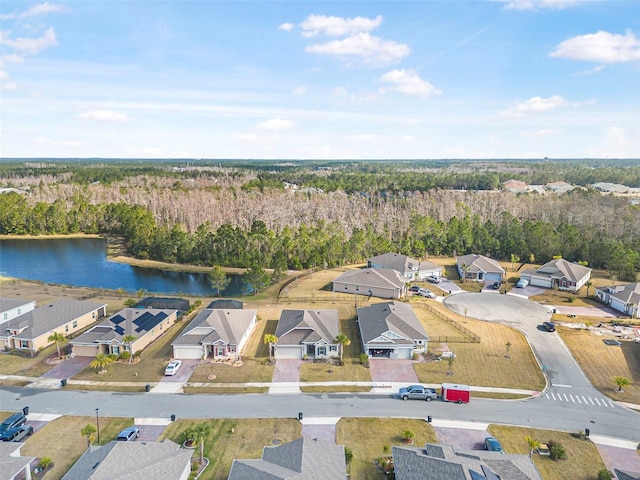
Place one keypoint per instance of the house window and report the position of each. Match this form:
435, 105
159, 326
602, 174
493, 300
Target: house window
333, 348
66, 328
115, 350
6, 315
75, 324
232, 349
322, 350
24, 343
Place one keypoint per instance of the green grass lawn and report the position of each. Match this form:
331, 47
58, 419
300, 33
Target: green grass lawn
583, 459
235, 438
13, 364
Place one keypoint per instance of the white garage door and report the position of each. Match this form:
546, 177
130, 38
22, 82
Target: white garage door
404, 353
541, 282
288, 352
187, 353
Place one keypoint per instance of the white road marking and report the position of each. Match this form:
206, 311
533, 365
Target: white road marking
591, 400
597, 402
560, 385
578, 398
612, 405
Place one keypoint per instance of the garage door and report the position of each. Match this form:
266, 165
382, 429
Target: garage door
187, 353
288, 352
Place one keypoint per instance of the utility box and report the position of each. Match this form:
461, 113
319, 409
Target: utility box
456, 393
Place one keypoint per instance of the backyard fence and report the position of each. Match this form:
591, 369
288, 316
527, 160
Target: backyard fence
467, 335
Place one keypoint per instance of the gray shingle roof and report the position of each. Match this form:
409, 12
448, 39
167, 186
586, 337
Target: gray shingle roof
477, 263
372, 277
307, 326
11, 465
48, 317
131, 461
396, 317
402, 263
562, 268
627, 293
301, 459
211, 325
7, 304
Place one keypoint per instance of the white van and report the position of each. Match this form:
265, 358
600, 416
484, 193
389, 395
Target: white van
523, 282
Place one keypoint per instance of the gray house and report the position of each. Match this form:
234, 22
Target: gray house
132, 461
11, 308
558, 273
439, 462
12, 464
624, 298
308, 333
301, 459
372, 282
391, 330
479, 268
409, 268
215, 332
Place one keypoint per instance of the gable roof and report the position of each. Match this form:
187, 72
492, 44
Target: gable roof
627, 293
395, 321
211, 325
128, 321
11, 463
437, 462
402, 263
563, 268
44, 319
226, 303
7, 304
301, 459
131, 461
372, 277
307, 326
626, 474
479, 263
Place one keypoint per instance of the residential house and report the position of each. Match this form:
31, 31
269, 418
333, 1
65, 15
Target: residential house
301, 459
132, 461
165, 303
31, 330
558, 273
479, 268
145, 324
391, 330
624, 298
515, 186
372, 282
226, 304
13, 466
625, 474
560, 187
409, 268
215, 332
307, 333
439, 462
11, 308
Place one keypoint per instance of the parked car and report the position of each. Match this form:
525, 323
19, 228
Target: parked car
523, 282
496, 285
13, 421
433, 279
493, 445
16, 434
549, 326
418, 392
426, 293
173, 367
128, 434
414, 288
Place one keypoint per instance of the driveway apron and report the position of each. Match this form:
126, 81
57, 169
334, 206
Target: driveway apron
387, 370
185, 372
462, 438
68, 368
620, 458
287, 370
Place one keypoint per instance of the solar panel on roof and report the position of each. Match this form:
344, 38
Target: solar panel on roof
117, 319
476, 476
147, 321
489, 474
119, 330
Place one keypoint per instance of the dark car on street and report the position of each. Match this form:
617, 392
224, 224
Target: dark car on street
549, 326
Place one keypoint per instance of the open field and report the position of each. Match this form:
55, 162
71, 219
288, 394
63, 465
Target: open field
583, 459
601, 362
230, 439
62, 442
367, 437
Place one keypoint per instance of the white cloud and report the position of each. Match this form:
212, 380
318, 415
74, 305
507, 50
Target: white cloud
300, 90
539, 4
534, 105
315, 25
29, 45
287, 27
276, 124
602, 47
618, 136
46, 142
370, 49
339, 91
104, 116
544, 132
407, 138
409, 83
38, 9
11, 58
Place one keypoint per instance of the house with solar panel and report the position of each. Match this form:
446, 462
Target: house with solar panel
145, 324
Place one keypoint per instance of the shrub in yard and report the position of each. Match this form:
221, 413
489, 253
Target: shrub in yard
125, 355
45, 462
348, 455
605, 474
571, 299
556, 450
364, 358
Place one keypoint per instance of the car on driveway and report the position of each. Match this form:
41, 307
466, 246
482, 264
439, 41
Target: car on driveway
523, 282
433, 279
13, 421
173, 367
426, 293
418, 392
16, 434
549, 326
414, 288
128, 434
496, 285
493, 445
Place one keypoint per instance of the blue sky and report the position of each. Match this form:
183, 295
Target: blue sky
320, 80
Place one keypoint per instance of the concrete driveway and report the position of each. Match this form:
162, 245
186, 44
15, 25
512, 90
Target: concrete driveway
448, 286
68, 368
388, 370
603, 312
185, 372
287, 370
526, 292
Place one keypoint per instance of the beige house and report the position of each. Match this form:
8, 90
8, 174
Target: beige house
408, 267
31, 330
558, 273
372, 282
309, 333
11, 308
624, 298
145, 324
479, 268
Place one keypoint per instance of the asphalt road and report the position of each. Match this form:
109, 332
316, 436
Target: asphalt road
610, 421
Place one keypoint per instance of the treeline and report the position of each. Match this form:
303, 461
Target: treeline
323, 244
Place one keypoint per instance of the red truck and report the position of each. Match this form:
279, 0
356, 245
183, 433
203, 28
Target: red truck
455, 393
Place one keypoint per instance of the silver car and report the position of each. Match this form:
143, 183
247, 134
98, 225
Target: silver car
418, 392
